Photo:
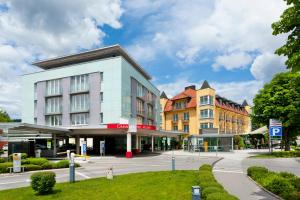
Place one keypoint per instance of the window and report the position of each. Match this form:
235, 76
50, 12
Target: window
35, 120
150, 122
140, 120
175, 128
53, 87
101, 97
180, 105
206, 125
53, 105
35, 90
80, 119
101, 118
80, 102
206, 113
53, 120
175, 117
101, 77
150, 111
206, 100
140, 107
35, 107
186, 128
80, 83
186, 116
139, 90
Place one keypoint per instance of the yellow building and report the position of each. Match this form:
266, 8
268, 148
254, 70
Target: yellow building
202, 111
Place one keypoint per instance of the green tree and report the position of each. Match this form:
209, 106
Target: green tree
289, 24
4, 117
280, 99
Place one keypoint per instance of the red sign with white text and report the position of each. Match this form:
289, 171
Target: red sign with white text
126, 126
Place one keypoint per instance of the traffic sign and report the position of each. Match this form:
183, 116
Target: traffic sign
275, 128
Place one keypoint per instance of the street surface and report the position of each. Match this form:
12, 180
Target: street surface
97, 166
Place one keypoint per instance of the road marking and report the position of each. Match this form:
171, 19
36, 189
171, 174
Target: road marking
228, 171
13, 182
83, 175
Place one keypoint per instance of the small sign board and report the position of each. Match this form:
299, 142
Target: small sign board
102, 148
48, 144
275, 129
17, 162
83, 149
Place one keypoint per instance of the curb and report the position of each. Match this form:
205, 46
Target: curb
264, 189
215, 162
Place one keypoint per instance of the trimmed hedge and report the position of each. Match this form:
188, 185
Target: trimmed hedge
37, 161
4, 167
2, 160
211, 189
31, 167
43, 182
283, 184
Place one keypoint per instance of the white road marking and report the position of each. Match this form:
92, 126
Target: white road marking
83, 175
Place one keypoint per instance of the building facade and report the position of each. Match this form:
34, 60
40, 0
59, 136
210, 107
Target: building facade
204, 113
97, 94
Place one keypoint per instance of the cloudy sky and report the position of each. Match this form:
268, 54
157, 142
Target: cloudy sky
227, 42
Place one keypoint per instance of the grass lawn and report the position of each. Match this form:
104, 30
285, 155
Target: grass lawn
278, 154
150, 185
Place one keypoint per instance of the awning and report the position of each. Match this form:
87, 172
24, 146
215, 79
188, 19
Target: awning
261, 130
38, 128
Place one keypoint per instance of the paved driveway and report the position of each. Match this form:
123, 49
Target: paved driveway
96, 167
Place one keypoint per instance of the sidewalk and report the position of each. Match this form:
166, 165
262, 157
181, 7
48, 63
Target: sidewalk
230, 174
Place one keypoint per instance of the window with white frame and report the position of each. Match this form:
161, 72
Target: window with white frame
206, 100
80, 83
186, 128
139, 90
206, 113
175, 117
175, 128
53, 105
186, 116
140, 107
53, 87
54, 120
80, 119
80, 103
206, 125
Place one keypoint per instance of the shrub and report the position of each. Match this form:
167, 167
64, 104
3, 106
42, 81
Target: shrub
257, 172
37, 161
47, 165
43, 182
209, 190
62, 164
31, 167
1, 151
287, 175
4, 167
280, 186
205, 167
23, 156
296, 183
2, 160
220, 196
210, 184
24, 162
294, 196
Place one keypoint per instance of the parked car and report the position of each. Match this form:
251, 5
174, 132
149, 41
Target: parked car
5, 147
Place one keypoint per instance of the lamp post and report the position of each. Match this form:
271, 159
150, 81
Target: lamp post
196, 192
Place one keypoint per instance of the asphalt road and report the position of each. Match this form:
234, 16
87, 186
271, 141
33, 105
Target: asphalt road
97, 166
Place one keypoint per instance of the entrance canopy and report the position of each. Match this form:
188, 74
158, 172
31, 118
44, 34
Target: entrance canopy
261, 130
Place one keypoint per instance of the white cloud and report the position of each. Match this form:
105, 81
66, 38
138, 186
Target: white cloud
43, 29
266, 65
232, 61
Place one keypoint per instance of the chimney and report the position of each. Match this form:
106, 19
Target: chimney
193, 87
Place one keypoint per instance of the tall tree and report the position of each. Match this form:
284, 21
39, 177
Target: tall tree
290, 23
280, 99
4, 117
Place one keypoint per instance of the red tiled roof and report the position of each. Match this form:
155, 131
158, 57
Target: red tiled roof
190, 94
230, 107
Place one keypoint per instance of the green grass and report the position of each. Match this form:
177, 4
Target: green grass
145, 186
278, 154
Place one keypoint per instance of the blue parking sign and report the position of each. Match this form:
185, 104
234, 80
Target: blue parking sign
276, 131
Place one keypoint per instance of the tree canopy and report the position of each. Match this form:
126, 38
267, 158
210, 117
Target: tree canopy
4, 117
280, 99
289, 24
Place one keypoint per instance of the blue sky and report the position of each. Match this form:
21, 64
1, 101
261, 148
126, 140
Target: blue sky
227, 42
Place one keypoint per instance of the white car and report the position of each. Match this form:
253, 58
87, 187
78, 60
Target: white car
5, 147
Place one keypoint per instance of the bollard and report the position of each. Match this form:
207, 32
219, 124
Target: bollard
173, 163
196, 192
72, 168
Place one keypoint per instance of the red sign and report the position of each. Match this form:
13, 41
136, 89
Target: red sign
126, 126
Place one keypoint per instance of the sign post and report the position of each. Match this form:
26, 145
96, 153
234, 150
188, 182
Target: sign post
275, 132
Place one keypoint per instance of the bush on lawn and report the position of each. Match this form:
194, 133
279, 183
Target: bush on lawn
23, 156
287, 175
62, 164
24, 162
296, 183
43, 182
31, 167
220, 196
4, 167
47, 165
256, 172
37, 161
2, 160
210, 186
210, 190
280, 186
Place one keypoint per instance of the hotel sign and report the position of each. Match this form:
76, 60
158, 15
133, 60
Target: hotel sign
126, 126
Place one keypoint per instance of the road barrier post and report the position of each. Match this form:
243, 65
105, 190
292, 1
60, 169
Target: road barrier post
72, 168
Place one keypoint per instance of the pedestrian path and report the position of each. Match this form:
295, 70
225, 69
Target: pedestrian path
230, 174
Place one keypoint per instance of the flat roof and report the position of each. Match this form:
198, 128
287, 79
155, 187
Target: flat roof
32, 127
96, 54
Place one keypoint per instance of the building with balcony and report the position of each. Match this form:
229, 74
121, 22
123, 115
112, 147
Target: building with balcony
202, 113
90, 97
